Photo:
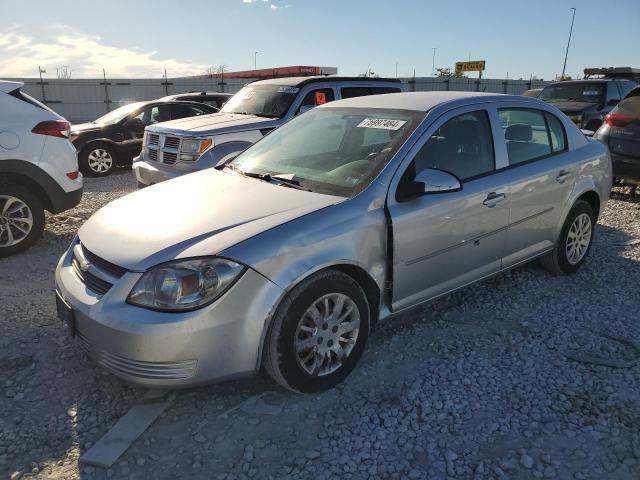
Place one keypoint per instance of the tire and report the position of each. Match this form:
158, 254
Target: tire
560, 260
97, 160
316, 366
18, 208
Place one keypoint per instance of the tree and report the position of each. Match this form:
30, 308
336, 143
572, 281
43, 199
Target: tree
63, 72
445, 73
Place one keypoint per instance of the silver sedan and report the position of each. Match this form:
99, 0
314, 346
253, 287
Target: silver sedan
351, 213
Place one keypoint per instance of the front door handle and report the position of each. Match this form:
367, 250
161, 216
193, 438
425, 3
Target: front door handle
493, 199
563, 176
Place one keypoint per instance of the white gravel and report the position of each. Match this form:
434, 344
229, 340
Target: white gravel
474, 386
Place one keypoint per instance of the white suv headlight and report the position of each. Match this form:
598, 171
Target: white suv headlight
195, 146
185, 284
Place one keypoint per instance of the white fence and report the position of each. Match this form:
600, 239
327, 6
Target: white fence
81, 100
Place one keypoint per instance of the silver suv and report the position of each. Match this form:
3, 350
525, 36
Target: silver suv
174, 148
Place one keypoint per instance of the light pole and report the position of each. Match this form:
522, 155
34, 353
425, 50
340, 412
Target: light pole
433, 61
564, 66
255, 60
396, 69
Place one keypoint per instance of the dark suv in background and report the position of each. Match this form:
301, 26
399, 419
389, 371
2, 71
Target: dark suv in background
621, 133
586, 102
115, 138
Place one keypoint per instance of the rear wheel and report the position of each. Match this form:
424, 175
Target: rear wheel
318, 333
21, 219
574, 242
97, 160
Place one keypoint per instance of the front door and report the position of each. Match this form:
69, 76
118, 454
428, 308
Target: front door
442, 241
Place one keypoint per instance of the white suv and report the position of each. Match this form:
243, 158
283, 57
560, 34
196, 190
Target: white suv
38, 168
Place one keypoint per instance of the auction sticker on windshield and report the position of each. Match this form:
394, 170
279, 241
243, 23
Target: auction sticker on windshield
385, 123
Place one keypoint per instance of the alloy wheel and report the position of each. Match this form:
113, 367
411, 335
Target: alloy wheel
578, 238
100, 160
16, 220
326, 334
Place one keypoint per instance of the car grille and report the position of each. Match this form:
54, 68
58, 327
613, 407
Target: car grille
94, 282
171, 142
169, 157
162, 149
138, 368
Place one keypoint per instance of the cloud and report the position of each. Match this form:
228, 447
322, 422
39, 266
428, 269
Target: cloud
85, 55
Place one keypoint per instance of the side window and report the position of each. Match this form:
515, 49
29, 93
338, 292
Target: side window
613, 94
557, 133
184, 111
381, 90
350, 92
462, 146
315, 98
152, 115
525, 132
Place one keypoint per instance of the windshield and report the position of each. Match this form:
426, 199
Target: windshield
118, 114
573, 92
336, 151
272, 101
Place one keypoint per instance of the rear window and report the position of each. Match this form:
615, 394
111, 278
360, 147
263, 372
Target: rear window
20, 95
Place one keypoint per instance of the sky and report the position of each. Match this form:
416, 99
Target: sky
142, 38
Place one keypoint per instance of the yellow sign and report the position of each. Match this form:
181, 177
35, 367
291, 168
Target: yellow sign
474, 66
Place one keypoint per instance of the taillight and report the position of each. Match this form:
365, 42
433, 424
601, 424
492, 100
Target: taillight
72, 175
618, 120
54, 128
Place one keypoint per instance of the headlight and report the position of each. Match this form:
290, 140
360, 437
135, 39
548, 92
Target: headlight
195, 146
185, 284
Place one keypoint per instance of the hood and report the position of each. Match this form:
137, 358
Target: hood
7, 86
215, 123
83, 127
574, 107
198, 214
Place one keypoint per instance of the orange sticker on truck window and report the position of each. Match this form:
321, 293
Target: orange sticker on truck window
321, 98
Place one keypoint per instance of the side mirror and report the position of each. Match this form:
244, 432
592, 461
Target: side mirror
437, 181
428, 181
134, 121
613, 102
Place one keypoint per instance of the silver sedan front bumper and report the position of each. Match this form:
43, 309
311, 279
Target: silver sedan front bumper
170, 350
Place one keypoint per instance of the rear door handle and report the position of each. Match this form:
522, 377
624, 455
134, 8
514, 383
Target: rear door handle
493, 199
563, 176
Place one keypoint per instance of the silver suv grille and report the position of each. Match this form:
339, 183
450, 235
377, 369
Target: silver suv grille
162, 149
171, 142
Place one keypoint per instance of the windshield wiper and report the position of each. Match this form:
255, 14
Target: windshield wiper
282, 178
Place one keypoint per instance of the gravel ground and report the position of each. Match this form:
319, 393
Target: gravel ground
477, 385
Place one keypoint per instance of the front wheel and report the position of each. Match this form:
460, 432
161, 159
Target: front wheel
97, 160
574, 242
21, 219
318, 333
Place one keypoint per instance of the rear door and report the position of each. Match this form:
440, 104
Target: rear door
442, 241
542, 175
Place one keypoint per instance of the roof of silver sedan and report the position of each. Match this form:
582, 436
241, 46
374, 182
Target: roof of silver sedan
419, 101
